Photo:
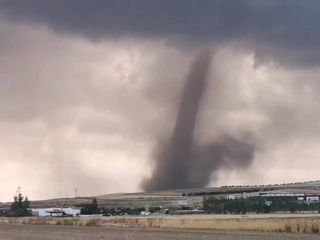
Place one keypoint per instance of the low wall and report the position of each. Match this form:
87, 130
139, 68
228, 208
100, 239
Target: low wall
265, 223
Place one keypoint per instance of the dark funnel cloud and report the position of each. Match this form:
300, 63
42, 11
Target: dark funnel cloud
179, 162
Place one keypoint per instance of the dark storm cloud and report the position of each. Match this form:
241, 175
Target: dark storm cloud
96, 103
273, 20
271, 26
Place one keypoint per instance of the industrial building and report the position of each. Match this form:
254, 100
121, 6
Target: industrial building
55, 212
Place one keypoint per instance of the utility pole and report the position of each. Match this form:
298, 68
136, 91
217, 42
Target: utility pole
18, 191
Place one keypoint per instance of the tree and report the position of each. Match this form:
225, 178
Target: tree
95, 207
20, 207
91, 208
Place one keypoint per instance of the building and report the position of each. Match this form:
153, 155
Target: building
55, 212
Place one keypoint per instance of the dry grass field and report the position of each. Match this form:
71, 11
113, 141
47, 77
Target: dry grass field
294, 223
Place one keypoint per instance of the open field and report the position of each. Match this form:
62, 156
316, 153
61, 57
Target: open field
36, 232
291, 223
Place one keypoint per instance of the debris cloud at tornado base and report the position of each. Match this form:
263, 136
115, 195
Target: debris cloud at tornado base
179, 162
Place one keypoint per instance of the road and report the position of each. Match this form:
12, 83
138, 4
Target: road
47, 232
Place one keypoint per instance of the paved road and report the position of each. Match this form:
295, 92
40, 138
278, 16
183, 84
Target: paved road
32, 232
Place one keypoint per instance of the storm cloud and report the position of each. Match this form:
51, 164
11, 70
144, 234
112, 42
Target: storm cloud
285, 31
88, 89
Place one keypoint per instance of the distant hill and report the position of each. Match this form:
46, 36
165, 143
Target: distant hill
172, 197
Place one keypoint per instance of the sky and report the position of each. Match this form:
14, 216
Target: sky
90, 88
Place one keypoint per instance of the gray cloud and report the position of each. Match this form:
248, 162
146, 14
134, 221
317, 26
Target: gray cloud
100, 90
285, 31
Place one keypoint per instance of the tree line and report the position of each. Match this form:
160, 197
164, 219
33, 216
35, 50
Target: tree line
255, 205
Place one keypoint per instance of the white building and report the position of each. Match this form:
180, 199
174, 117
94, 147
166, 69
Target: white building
312, 199
183, 203
55, 212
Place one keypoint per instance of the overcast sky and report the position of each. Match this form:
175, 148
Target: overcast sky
89, 87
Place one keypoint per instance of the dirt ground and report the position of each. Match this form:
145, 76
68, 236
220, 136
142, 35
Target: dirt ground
47, 232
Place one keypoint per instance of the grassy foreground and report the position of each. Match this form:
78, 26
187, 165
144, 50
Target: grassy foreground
293, 223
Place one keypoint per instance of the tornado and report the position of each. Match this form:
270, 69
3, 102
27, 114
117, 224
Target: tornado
180, 163
173, 161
